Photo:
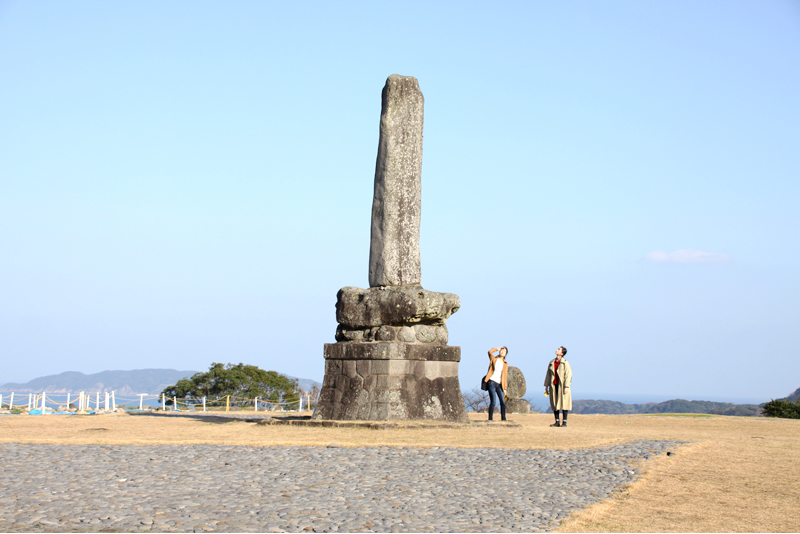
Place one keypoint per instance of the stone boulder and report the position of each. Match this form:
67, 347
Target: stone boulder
516, 383
517, 406
358, 309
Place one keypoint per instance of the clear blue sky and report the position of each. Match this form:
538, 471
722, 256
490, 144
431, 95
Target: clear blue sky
188, 182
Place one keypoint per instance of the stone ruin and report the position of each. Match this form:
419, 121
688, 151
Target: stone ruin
391, 360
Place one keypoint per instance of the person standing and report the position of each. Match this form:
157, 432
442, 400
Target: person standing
556, 384
497, 380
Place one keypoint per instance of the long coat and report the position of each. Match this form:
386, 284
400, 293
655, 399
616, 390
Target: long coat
562, 400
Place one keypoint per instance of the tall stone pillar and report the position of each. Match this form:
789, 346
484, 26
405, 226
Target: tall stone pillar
391, 360
397, 202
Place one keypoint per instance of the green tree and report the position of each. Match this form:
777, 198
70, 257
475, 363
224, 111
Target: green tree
782, 408
239, 381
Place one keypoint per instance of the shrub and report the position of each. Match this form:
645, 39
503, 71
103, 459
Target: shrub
782, 408
242, 382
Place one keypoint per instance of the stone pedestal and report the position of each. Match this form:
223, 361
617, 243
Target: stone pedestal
391, 381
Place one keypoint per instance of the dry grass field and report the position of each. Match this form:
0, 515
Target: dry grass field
737, 475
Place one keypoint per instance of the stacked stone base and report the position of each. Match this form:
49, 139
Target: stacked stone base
518, 406
387, 381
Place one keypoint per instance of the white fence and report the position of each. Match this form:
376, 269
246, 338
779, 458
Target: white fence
229, 401
83, 401
108, 401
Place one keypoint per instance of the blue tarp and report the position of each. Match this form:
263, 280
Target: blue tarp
38, 411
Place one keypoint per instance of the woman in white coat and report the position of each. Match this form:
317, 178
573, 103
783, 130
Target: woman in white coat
556, 384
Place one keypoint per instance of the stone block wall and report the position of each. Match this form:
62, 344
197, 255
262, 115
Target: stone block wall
391, 381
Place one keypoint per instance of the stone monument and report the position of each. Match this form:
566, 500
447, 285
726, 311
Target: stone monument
391, 360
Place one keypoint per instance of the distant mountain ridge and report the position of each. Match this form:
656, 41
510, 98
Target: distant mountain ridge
670, 406
794, 396
134, 382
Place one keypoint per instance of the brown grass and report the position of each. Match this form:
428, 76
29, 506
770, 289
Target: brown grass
739, 474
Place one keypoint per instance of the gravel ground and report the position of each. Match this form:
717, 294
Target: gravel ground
206, 488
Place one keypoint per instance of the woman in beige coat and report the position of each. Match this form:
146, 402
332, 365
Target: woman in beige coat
556, 384
497, 380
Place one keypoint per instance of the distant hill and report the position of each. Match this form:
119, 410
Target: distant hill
794, 396
123, 382
670, 406
134, 382
606, 406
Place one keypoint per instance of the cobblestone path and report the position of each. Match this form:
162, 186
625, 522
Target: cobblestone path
206, 488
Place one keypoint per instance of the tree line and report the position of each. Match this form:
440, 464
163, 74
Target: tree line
782, 408
243, 383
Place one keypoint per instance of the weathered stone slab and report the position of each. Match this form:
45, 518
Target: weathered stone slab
397, 202
358, 308
391, 351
